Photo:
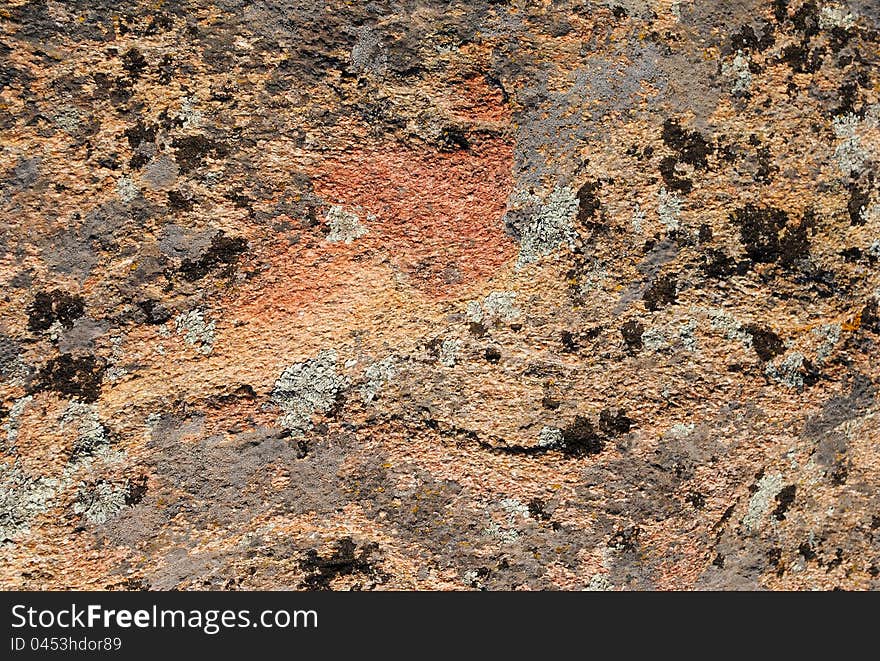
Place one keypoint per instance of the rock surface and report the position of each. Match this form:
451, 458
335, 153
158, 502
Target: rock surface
414, 294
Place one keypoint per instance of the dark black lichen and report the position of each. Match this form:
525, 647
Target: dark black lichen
765, 342
768, 236
191, 151
784, 500
801, 58
774, 559
453, 138
133, 62
580, 439
588, 203
137, 489
56, 305
77, 377
717, 264
612, 423
696, 499
746, 39
537, 510
689, 146
625, 538
346, 560
852, 255
632, 332
806, 19
759, 231
806, 551
569, 342
223, 251
869, 318
140, 133
179, 202
856, 204
662, 291
670, 177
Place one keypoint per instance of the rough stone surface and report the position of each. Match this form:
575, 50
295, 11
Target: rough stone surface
439, 295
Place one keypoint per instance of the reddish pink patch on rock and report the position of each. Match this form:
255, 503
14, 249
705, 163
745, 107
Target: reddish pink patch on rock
439, 214
475, 100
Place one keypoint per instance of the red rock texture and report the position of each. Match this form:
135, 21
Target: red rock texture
439, 295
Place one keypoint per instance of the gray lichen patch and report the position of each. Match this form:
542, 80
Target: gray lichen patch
654, 339
680, 430
686, 334
737, 71
116, 370
101, 501
669, 209
788, 371
448, 352
344, 225
637, 222
550, 437
306, 388
550, 225
835, 15
22, 498
13, 421
368, 53
126, 189
496, 306
91, 435
189, 115
196, 330
376, 376
500, 533
515, 516
759, 504
12, 367
672, 336
67, 118
828, 336
732, 328
515, 509
854, 150
599, 583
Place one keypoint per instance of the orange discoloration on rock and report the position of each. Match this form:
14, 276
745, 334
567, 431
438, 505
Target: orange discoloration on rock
438, 214
477, 99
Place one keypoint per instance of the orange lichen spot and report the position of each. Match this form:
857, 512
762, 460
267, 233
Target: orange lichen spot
853, 323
